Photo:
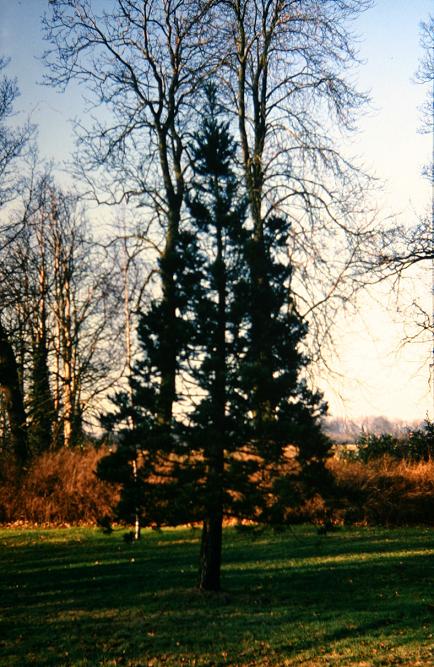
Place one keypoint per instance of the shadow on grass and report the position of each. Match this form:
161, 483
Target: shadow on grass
80, 598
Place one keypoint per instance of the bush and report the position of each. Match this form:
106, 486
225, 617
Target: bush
371, 446
60, 487
416, 445
385, 491
420, 443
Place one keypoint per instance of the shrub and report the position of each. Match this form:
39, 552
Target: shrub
420, 443
385, 491
415, 445
60, 487
371, 446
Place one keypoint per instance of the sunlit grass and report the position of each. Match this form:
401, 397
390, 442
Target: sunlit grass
354, 597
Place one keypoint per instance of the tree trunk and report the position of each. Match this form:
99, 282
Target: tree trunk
210, 552
252, 159
63, 267
174, 194
128, 351
168, 338
67, 360
211, 546
13, 399
41, 410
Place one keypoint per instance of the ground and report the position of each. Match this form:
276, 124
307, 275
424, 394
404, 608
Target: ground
77, 597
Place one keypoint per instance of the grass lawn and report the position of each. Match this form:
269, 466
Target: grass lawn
354, 597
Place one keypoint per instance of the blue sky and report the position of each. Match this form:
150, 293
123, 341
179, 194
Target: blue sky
377, 379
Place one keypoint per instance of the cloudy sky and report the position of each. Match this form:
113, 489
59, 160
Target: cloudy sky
379, 376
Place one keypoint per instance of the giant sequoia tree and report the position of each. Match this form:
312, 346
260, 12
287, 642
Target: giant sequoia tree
218, 214
243, 446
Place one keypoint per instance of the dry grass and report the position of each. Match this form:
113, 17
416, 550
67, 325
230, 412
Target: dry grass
385, 491
60, 487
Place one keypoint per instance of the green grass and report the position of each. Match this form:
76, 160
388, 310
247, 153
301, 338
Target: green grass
355, 597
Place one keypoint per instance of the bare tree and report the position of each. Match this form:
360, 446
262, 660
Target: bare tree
13, 143
286, 78
61, 303
425, 73
283, 64
84, 304
143, 62
401, 247
406, 246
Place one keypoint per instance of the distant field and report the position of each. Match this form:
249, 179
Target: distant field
355, 597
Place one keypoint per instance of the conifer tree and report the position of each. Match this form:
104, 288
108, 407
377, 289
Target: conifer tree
41, 410
244, 447
150, 459
217, 219
285, 449
224, 454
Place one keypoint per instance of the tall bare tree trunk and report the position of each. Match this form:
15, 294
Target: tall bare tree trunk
64, 398
57, 398
128, 351
41, 411
168, 342
67, 345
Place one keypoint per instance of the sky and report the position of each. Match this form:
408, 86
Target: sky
381, 375
375, 373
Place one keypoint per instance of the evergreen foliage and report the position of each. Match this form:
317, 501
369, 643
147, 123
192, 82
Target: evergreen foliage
150, 460
415, 445
217, 212
41, 409
224, 454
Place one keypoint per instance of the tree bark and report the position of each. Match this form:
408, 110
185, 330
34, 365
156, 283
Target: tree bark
67, 351
41, 408
252, 160
168, 337
211, 545
210, 552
